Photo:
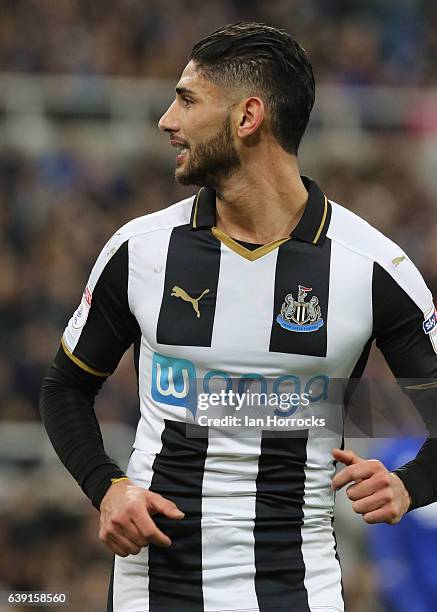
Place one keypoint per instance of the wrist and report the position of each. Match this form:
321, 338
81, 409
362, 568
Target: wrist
102, 487
405, 497
120, 479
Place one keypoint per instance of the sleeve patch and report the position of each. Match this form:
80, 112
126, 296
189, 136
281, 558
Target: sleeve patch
430, 327
79, 318
430, 323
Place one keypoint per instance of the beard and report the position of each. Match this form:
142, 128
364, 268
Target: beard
212, 161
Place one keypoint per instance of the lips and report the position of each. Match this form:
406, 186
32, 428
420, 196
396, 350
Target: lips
180, 158
182, 147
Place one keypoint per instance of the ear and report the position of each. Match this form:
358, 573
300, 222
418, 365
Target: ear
250, 114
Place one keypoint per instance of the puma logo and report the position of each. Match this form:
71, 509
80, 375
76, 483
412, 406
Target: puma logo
181, 293
397, 260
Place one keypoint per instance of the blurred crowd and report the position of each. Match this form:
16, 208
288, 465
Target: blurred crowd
53, 547
361, 42
58, 208
56, 213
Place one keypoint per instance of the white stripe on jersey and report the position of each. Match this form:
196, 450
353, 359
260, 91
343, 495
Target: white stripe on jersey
358, 236
351, 293
239, 306
231, 467
317, 534
131, 579
228, 513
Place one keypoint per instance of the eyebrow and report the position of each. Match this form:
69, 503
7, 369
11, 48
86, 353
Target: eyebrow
184, 91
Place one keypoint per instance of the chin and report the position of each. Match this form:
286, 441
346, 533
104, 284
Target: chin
182, 178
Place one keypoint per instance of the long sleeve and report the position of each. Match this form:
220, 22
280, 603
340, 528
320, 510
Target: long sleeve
97, 335
404, 327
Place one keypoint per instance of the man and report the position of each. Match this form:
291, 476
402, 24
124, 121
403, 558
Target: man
207, 289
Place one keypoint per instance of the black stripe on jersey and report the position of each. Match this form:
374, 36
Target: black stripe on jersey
357, 400
175, 573
398, 329
279, 564
110, 327
299, 263
193, 264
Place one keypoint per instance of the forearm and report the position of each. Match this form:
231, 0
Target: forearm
420, 475
67, 411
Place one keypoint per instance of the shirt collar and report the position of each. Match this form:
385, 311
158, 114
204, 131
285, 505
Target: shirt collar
311, 228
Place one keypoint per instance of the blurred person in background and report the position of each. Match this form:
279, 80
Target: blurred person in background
405, 558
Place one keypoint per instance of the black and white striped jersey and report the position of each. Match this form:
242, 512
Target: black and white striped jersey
257, 535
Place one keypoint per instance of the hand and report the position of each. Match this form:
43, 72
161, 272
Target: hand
376, 493
125, 518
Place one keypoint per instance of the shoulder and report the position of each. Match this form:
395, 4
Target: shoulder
168, 218
147, 225
358, 236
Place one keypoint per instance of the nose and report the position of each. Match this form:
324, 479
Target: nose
169, 121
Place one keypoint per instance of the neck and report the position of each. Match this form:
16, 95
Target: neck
263, 201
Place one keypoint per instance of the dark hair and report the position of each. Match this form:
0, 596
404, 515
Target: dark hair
265, 61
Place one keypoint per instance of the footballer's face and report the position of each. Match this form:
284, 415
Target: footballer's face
200, 127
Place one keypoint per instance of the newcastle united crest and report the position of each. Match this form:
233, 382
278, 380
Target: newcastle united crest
298, 315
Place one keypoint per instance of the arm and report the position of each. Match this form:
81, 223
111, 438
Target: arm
97, 335
399, 316
401, 304
67, 410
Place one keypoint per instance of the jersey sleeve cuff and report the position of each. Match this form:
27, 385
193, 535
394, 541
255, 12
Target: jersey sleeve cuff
418, 483
100, 489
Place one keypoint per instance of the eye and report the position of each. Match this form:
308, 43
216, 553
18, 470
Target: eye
186, 101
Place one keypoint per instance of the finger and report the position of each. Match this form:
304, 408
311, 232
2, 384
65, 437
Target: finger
365, 488
134, 534
124, 544
381, 480
348, 457
161, 505
159, 538
370, 503
114, 548
387, 514
358, 471
150, 531
122, 524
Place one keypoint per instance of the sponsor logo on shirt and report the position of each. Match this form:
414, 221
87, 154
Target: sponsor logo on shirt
175, 382
430, 327
299, 315
398, 260
80, 316
430, 322
88, 295
179, 292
